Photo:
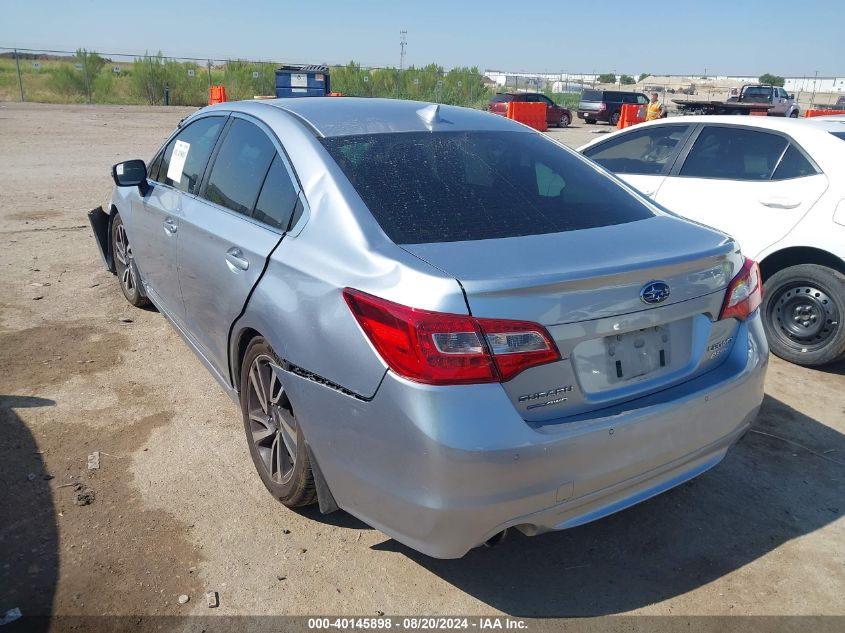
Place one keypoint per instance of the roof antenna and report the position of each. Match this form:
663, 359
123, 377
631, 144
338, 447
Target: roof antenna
430, 114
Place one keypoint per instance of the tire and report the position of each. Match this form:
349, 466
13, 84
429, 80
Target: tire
793, 114
590, 121
803, 307
614, 119
564, 121
271, 428
125, 268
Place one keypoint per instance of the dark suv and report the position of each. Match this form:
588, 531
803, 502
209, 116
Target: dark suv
606, 105
555, 115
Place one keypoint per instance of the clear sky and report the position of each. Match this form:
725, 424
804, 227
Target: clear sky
783, 37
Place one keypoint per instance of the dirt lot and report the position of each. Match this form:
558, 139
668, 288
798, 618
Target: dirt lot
178, 509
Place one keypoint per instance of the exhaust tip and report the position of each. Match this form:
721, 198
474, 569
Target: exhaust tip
496, 539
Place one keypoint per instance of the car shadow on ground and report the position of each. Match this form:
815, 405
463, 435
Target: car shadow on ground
29, 546
781, 481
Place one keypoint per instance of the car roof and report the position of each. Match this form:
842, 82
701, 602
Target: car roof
828, 123
794, 127
347, 116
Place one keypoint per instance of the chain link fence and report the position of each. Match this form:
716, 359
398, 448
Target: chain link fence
83, 76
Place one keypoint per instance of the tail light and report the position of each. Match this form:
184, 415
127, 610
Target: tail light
744, 294
449, 349
602, 107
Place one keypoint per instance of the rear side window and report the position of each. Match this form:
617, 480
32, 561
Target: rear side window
793, 165
193, 146
839, 135
499, 98
592, 95
424, 187
278, 197
642, 152
734, 153
240, 167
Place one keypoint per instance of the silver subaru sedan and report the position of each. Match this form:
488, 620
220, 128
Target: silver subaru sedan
437, 319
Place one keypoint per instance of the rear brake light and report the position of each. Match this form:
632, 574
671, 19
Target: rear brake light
449, 349
602, 107
744, 293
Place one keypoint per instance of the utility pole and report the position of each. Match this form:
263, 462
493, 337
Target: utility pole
403, 42
813, 98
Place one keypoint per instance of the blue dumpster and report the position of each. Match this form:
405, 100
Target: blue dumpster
302, 80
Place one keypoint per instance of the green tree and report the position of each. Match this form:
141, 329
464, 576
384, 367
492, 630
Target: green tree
773, 80
76, 80
627, 80
607, 78
644, 76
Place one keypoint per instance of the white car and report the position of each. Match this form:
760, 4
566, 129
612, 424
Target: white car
778, 187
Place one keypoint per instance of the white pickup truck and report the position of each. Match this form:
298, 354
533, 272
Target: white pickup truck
752, 99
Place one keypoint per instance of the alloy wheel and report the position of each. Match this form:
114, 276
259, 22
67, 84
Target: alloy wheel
123, 254
273, 427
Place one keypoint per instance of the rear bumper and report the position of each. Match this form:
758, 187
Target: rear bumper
592, 115
442, 469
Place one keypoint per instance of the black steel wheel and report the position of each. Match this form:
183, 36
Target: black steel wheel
803, 308
276, 443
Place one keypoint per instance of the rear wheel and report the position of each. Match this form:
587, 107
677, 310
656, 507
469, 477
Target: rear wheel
793, 114
802, 311
614, 119
590, 121
564, 121
124, 264
276, 443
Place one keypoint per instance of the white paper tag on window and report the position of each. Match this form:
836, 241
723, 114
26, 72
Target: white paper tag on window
119, 169
177, 160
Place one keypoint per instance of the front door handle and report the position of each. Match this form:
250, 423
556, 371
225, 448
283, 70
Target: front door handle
780, 203
236, 260
170, 225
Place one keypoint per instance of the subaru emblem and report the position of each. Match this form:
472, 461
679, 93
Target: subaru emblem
654, 292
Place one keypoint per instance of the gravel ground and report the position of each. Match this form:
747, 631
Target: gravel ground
177, 508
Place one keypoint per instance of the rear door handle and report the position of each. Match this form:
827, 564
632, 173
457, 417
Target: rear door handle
780, 203
236, 260
170, 225
648, 192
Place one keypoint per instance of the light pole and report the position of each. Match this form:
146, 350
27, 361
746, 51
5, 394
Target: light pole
813, 98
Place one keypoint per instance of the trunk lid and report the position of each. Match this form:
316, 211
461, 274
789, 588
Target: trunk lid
585, 287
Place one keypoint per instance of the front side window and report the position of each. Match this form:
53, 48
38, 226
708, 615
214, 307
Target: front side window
734, 154
425, 187
642, 99
642, 152
240, 167
185, 158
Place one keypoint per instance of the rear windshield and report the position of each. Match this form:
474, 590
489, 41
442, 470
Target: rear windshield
499, 98
592, 95
757, 94
425, 187
839, 135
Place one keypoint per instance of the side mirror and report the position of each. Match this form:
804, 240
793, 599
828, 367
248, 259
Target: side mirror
130, 173
792, 97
